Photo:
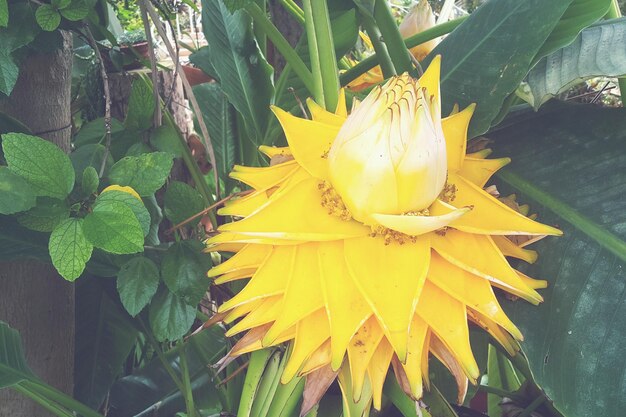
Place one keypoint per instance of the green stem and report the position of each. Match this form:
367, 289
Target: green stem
322, 53
43, 401
51, 393
614, 13
425, 36
399, 53
157, 348
499, 392
532, 406
293, 9
291, 56
187, 393
254, 373
386, 65
259, 33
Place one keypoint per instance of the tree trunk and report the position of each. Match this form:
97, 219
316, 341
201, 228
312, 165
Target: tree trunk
34, 299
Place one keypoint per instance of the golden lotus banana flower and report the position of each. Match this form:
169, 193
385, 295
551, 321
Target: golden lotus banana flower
371, 243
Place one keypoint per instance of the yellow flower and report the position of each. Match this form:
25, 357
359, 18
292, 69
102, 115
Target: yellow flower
372, 243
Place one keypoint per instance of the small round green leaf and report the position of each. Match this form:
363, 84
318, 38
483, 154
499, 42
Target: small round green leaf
15, 193
113, 227
132, 202
145, 173
90, 181
46, 168
69, 249
46, 215
184, 269
137, 282
47, 17
170, 317
76, 10
181, 202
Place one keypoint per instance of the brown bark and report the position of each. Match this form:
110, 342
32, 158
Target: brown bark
34, 299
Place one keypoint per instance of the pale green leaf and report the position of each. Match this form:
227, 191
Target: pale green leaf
113, 227
69, 250
137, 282
4, 13
144, 173
90, 181
140, 105
76, 10
132, 202
47, 17
15, 193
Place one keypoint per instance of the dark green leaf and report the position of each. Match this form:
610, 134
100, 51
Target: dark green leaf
17, 242
568, 164
144, 173
485, 59
94, 131
170, 316
181, 202
15, 193
184, 269
137, 282
69, 250
90, 156
156, 216
21, 34
13, 367
244, 74
77, 10
138, 149
105, 335
60, 4
46, 168
10, 124
591, 54
113, 227
90, 181
46, 215
166, 139
135, 204
201, 58
47, 17
9, 72
4, 13
140, 105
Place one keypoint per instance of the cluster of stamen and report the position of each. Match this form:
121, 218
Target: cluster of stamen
448, 193
332, 202
390, 235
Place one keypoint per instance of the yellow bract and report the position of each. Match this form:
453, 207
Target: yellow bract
371, 243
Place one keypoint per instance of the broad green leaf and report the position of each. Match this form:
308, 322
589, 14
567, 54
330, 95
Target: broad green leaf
139, 149
17, 242
94, 131
113, 226
15, 193
568, 164
592, 54
4, 13
485, 58
245, 75
90, 155
13, 366
76, 10
41, 163
145, 173
151, 387
69, 250
16, 36
60, 4
170, 316
217, 114
140, 105
9, 71
181, 202
46, 215
579, 15
90, 181
132, 202
105, 335
47, 17
137, 282
166, 139
184, 269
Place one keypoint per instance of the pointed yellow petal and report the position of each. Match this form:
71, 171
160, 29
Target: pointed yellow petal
303, 294
455, 132
255, 342
430, 79
244, 206
342, 108
263, 178
482, 154
393, 301
377, 370
417, 347
346, 307
235, 275
532, 282
478, 171
321, 115
450, 360
442, 214
297, 214
509, 248
237, 238
489, 215
502, 336
484, 259
272, 151
311, 333
318, 359
309, 141
251, 256
265, 311
470, 289
241, 311
225, 247
270, 279
448, 319
360, 352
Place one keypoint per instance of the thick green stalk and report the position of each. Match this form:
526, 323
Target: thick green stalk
259, 33
62, 399
386, 65
400, 55
614, 13
43, 401
425, 36
293, 9
258, 360
291, 56
187, 394
322, 53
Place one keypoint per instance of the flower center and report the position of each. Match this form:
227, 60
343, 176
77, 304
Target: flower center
331, 201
